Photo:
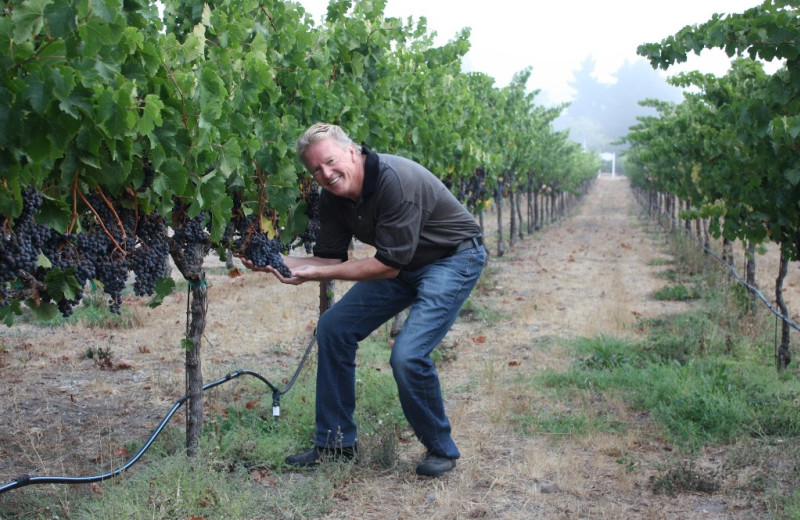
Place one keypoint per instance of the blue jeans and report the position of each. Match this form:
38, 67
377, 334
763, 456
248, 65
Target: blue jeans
435, 293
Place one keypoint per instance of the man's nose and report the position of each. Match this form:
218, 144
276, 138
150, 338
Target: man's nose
323, 172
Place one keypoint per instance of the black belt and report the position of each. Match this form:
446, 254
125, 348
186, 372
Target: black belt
468, 244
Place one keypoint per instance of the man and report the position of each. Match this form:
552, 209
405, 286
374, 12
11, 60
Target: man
429, 255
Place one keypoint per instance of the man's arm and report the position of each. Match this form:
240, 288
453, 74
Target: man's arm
352, 270
306, 269
294, 262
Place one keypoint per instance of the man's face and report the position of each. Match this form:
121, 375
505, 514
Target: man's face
338, 170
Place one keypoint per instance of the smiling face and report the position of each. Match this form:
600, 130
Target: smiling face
338, 170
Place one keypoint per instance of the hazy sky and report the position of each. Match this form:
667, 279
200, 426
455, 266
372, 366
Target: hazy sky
555, 37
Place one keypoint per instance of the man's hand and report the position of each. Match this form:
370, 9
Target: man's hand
294, 280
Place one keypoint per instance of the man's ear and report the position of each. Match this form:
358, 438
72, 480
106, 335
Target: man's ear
354, 153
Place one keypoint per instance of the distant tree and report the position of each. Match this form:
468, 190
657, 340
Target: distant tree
602, 113
589, 132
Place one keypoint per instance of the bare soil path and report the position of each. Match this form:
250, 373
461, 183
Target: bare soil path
592, 273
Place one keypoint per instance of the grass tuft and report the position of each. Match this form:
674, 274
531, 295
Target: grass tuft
676, 293
685, 477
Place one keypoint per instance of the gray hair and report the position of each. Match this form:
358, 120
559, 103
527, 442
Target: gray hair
319, 132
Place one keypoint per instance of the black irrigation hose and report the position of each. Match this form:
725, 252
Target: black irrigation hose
754, 290
26, 479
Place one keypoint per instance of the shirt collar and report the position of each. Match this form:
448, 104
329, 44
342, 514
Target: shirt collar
371, 169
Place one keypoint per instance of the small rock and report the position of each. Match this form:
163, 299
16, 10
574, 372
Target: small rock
549, 487
710, 507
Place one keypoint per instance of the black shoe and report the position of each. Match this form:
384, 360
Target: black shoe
318, 454
435, 466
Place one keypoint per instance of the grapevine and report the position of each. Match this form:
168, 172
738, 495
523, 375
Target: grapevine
729, 150
177, 113
127, 135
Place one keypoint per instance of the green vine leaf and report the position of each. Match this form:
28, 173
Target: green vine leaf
44, 311
28, 18
7, 312
164, 287
62, 284
151, 114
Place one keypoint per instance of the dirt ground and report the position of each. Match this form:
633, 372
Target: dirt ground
592, 273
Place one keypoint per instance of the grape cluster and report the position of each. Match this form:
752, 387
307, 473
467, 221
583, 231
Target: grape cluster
110, 245
263, 251
22, 245
194, 231
19, 247
312, 213
150, 257
244, 238
190, 243
472, 191
113, 274
63, 254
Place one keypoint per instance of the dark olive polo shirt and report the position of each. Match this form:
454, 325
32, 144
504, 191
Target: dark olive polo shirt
405, 212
